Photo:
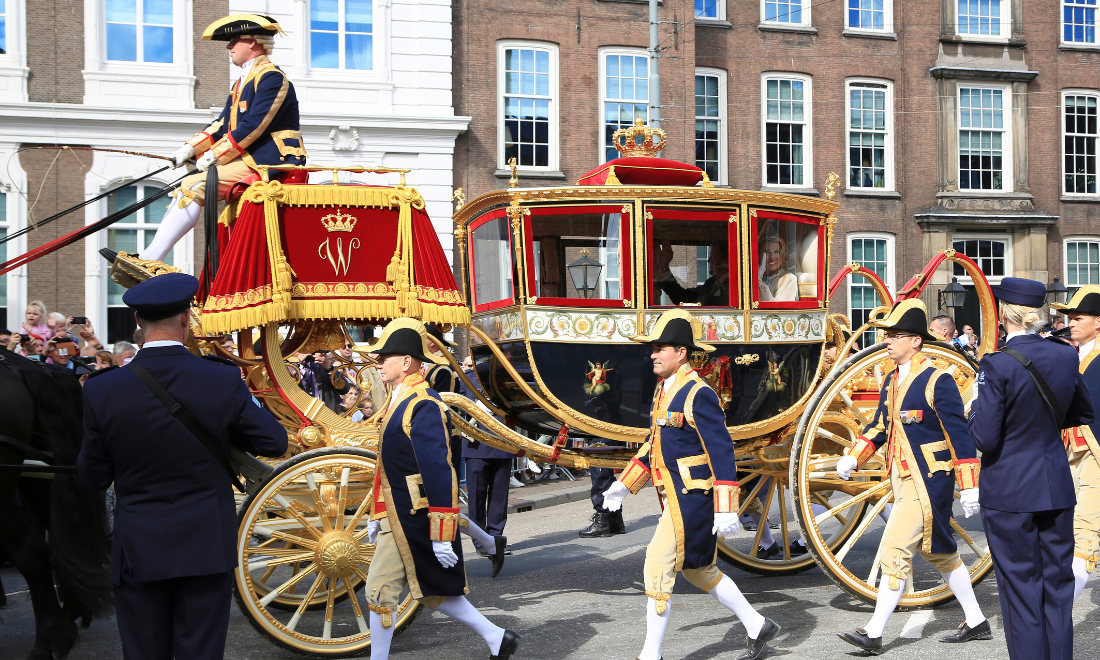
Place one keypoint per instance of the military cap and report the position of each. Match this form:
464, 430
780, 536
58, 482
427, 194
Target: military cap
909, 316
1085, 301
678, 328
162, 296
405, 336
1018, 291
241, 25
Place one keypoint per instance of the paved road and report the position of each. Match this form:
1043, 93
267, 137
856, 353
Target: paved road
583, 600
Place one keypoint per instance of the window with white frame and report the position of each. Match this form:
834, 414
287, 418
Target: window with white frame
788, 12
710, 9
702, 264
787, 134
131, 234
990, 253
1079, 21
139, 30
710, 123
870, 139
875, 252
625, 78
984, 18
528, 125
984, 142
874, 15
1082, 262
3, 258
341, 34
1079, 133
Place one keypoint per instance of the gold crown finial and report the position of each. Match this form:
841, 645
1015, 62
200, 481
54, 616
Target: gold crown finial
339, 221
626, 140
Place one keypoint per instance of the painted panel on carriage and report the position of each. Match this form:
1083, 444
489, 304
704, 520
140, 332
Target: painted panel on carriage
716, 326
572, 325
615, 383
793, 326
504, 326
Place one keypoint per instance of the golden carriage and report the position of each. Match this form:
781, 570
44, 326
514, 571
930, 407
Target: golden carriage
554, 282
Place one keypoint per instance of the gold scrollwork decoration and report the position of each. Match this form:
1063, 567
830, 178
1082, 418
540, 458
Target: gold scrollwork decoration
747, 359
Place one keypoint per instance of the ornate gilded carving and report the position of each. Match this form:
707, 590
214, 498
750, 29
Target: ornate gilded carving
625, 140
830, 185
514, 181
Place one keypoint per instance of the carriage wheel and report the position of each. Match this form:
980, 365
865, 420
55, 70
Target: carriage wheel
765, 490
302, 554
836, 414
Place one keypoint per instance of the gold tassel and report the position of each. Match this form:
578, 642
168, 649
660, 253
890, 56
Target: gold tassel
612, 180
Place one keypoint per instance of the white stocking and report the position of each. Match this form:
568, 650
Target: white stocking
885, 605
173, 226
380, 638
959, 582
731, 597
461, 610
655, 626
1080, 577
482, 538
766, 538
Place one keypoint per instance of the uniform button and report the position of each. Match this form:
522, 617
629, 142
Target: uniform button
929, 475
684, 491
412, 512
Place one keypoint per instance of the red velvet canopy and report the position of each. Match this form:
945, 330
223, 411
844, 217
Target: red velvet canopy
643, 171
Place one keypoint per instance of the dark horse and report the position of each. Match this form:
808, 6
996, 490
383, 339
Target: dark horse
68, 577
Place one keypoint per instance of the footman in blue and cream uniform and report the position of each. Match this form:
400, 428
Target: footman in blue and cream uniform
414, 513
689, 456
928, 452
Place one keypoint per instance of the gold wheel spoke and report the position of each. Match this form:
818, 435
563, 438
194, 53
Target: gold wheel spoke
783, 521
981, 552
832, 437
319, 502
342, 499
276, 552
354, 598
282, 561
329, 606
870, 492
304, 604
267, 575
874, 567
287, 585
751, 497
304, 542
852, 406
863, 525
763, 521
364, 506
362, 574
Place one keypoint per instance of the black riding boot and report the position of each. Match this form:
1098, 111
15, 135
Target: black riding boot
601, 526
615, 520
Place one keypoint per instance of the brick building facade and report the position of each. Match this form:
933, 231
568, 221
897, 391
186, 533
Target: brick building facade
946, 121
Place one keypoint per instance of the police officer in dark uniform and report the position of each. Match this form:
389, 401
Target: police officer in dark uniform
1027, 493
175, 527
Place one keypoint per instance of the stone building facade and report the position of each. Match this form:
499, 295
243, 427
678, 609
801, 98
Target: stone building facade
951, 124
373, 78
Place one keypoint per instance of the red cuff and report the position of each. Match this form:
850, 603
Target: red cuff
966, 472
726, 496
635, 476
443, 523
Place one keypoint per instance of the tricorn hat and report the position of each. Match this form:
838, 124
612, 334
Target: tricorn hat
908, 316
162, 296
241, 25
435, 333
1085, 301
1020, 291
406, 336
678, 328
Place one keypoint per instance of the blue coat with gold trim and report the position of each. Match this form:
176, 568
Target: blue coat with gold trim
1084, 437
259, 123
922, 423
416, 489
690, 453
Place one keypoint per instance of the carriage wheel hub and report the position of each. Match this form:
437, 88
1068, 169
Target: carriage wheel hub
338, 555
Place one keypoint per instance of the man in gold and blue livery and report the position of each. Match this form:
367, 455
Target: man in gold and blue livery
258, 126
928, 451
689, 457
414, 512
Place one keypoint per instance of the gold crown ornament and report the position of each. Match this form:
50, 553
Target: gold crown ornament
626, 140
339, 221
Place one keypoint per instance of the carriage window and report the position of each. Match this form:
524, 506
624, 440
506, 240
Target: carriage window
492, 260
577, 253
690, 260
786, 262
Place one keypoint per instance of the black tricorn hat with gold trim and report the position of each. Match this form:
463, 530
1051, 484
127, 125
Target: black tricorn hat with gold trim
406, 336
241, 25
678, 328
909, 316
435, 333
1085, 301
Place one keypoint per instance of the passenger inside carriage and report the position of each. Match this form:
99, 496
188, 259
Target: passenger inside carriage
714, 290
787, 256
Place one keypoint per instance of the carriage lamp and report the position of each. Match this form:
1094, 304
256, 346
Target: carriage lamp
1057, 292
585, 273
953, 295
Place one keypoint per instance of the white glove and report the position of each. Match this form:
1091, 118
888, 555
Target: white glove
969, 499
185, 153
845, 466
726, 524
444, 553
613, 497
206, 160
373, 527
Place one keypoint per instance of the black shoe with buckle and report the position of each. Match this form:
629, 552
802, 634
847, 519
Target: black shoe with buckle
768, 631
507, 646
769, 553
601, 526
797, 549
967, 634
615, 522
498, 557
872, 645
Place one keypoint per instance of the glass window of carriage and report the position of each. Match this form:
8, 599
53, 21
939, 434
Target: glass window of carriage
690, 253
491, 262
787, 261
576, 256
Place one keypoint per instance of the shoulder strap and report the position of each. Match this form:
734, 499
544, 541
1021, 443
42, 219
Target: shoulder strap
1044, 389
177, 411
